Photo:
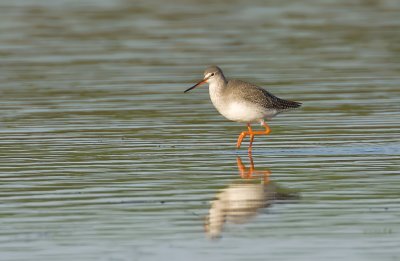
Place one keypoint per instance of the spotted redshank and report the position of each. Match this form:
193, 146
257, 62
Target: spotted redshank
243, 102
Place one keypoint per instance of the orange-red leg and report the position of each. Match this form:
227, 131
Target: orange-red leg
240, 138
243, 135
252, 134
250, 143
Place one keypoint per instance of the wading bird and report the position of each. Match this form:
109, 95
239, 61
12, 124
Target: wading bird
243, 102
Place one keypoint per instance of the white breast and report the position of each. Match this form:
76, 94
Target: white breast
238, 110
243, 112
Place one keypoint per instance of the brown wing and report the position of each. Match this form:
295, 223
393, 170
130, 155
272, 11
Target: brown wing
255, 94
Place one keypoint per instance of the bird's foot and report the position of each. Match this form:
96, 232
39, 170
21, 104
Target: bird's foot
252, 134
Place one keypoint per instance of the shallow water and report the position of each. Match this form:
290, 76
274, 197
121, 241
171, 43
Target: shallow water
104, 158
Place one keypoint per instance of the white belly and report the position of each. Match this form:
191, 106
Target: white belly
245, 112
238, 110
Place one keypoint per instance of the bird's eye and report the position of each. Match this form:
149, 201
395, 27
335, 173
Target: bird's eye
212, 74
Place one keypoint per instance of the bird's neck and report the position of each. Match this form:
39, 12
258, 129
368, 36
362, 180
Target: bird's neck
216, 87
216, 90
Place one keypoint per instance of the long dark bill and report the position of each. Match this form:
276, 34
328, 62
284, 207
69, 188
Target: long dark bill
197, 84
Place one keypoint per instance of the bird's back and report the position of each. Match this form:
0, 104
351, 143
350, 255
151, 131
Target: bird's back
244, 91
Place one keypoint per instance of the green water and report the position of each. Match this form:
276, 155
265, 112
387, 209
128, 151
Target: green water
102, 156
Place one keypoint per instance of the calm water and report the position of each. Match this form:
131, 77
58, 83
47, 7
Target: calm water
104, 158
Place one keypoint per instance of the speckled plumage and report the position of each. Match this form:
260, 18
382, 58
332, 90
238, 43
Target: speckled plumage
254, 94
242, 101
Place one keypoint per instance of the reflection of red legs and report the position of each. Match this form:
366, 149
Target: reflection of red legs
251, 172
252, 134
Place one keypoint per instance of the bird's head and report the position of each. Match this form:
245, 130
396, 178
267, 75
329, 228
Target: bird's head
211, 74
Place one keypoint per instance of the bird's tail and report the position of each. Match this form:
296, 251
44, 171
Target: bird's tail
286, 105
294, 104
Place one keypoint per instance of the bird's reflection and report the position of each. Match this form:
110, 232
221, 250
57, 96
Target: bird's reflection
241, 201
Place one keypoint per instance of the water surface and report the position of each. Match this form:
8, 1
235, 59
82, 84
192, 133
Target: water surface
104, 158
